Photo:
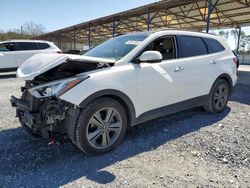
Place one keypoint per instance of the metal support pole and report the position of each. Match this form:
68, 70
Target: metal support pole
21, 32
74, 40
208, 15
59, 40
49, 38
89, 39
113, 28
148, 21
238, 43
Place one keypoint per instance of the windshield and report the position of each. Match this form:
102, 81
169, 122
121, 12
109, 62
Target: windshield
117, 47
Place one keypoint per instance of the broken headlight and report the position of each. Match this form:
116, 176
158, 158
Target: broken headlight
56, 88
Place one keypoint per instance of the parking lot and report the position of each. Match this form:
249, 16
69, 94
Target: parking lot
188, 148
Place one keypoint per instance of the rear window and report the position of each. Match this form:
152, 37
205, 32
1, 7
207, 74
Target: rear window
191, 46
213, 45
43, 46
22, 46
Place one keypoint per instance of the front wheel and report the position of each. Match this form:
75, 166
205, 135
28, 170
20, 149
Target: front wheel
101, 126
218, 97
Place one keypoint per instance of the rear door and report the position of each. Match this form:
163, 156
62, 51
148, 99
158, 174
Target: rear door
7, 56
25, 51
193, 53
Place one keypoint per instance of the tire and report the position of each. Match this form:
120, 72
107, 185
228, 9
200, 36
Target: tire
218, 97
101, 126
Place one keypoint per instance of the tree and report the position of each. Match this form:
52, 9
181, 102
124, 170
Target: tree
245, 42
235, 35
30, 28
224, 34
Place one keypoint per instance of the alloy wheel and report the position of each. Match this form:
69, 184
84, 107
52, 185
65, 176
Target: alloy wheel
220, 96
104, 128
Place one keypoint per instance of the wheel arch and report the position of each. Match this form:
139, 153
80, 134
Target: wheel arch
117, 95
227, 78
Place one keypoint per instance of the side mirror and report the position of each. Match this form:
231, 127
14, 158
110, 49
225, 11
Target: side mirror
151, 57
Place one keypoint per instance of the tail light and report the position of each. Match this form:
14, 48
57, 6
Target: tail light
59, 52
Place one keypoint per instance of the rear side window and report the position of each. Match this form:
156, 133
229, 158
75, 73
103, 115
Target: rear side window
42, 46
22, 46
189, 46
213, 45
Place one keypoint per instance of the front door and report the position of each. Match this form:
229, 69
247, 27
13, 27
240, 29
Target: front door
163, 83
7, 56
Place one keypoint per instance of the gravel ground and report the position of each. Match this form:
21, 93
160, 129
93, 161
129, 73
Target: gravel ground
191, 148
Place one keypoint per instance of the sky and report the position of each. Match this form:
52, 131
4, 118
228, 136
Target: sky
57, 14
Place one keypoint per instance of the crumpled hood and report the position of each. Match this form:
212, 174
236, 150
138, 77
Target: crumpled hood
41, 63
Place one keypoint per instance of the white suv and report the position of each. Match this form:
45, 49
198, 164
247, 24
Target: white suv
122, 82
14, 52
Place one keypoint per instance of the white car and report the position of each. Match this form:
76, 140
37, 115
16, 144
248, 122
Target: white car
14, 52
122, 82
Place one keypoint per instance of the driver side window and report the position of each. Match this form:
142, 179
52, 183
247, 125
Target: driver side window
6, 47
164, 45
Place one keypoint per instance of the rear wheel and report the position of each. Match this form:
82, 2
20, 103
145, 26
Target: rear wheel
101, 126
218, 97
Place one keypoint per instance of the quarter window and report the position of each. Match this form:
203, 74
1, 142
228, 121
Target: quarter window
23, 46
189, 46
213, 45
42, 46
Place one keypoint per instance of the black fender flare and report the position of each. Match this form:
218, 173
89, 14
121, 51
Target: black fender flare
117, 95
226, 77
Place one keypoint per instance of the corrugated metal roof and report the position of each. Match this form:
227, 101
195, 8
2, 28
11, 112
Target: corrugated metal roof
183, 14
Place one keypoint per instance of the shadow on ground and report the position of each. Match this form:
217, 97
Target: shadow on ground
28, 162
241, 93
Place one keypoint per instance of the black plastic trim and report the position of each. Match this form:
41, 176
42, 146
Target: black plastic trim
118, 95
228, 79
171, 109
8, 69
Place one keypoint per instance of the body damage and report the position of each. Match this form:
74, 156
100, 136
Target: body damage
40, 110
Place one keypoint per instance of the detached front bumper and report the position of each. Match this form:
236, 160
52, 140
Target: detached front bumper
19, 103
43, 118
30, 121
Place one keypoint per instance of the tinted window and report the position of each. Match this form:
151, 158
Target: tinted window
213, 45
42, 46
189, 46
6, 47
27, 46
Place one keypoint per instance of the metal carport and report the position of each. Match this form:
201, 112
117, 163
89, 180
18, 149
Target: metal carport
182, 14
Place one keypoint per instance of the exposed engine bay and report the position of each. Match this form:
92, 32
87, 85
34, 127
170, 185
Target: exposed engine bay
40, 110
68, 69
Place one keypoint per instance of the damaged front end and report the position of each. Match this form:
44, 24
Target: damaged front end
40, 110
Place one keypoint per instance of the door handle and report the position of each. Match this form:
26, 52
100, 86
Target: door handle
213, 62
177, 69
